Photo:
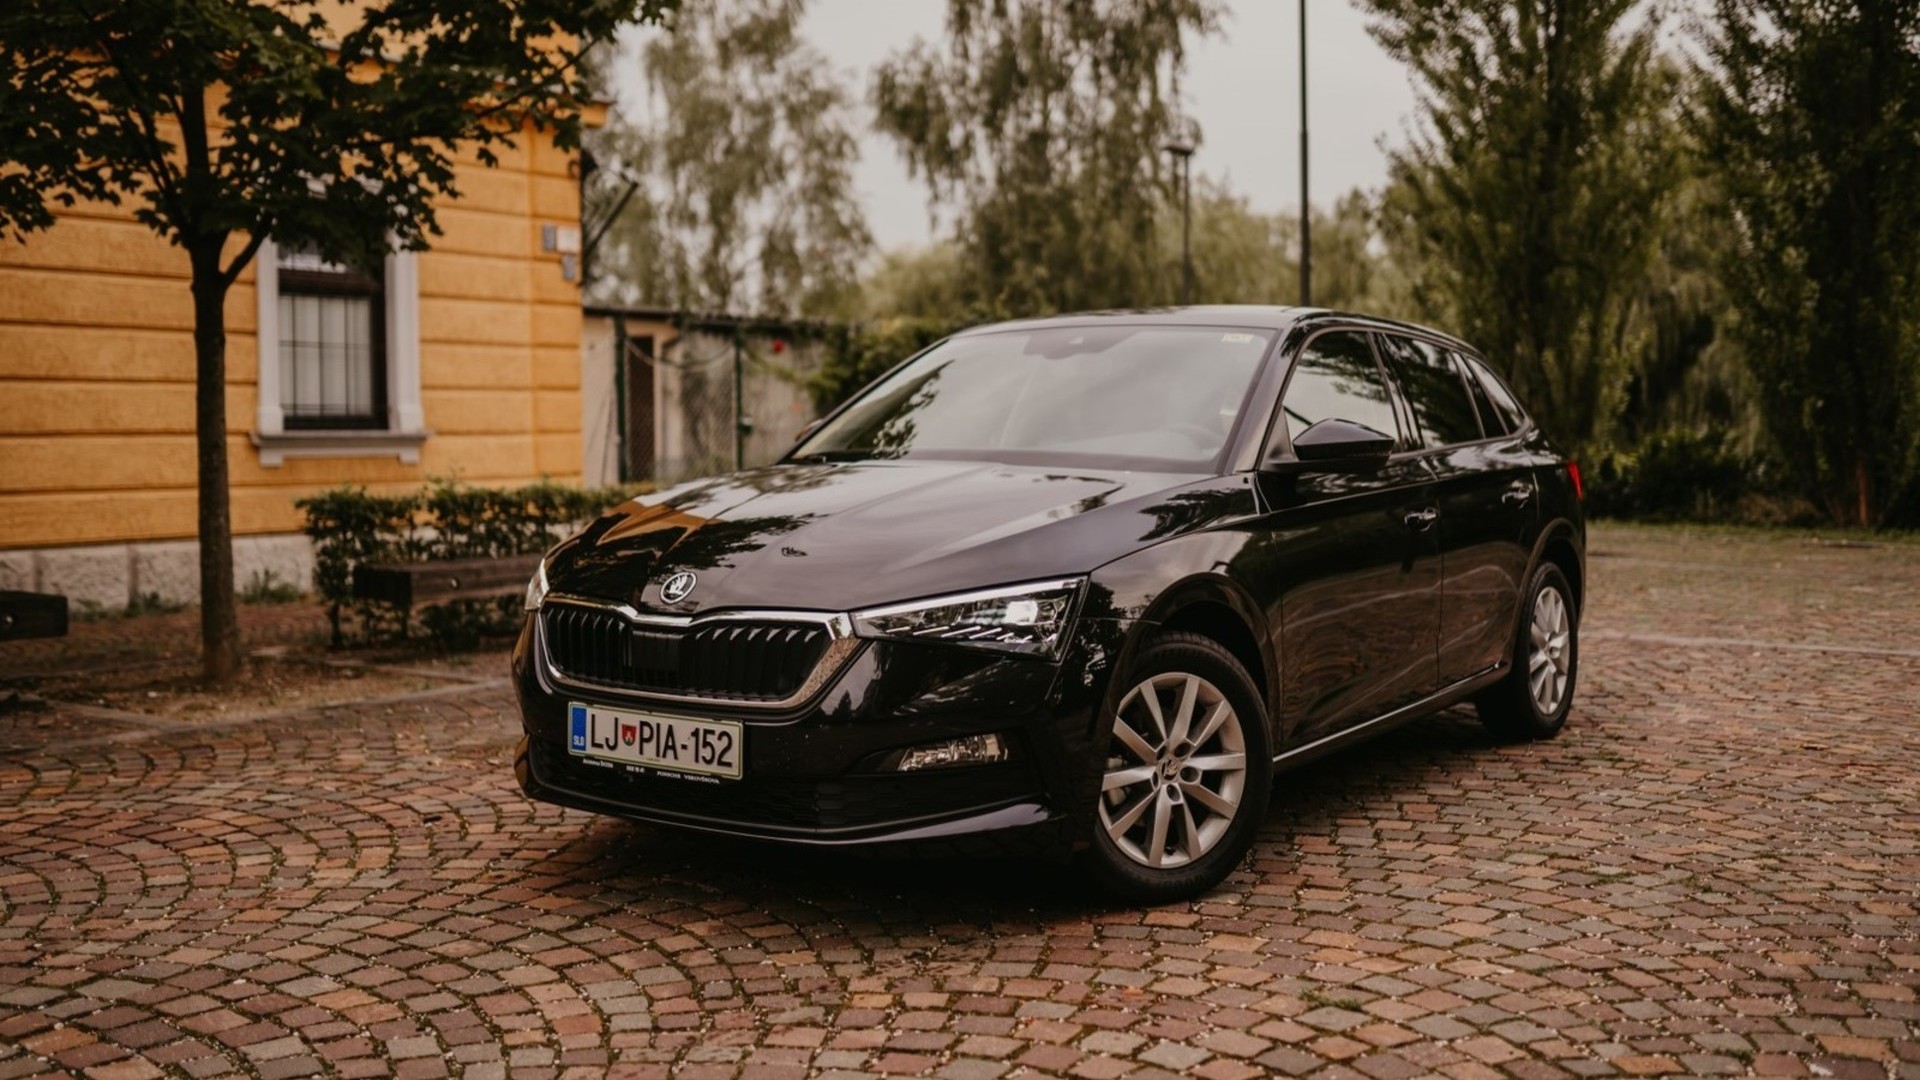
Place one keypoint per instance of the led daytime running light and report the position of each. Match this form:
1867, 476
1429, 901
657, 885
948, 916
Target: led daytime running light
1027, 619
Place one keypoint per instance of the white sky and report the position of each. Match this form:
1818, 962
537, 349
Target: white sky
1243, 86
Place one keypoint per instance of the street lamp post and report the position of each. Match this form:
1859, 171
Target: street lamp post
1306, 207
1181, 148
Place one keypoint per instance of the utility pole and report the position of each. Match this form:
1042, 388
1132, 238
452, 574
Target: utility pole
1180, 147
740, 424
1306, 206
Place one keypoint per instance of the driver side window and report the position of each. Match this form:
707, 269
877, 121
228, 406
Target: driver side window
1336, 377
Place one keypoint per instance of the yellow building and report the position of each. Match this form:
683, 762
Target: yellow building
460, 361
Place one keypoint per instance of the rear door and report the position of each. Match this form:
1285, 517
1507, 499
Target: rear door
1486, 498
1353, 558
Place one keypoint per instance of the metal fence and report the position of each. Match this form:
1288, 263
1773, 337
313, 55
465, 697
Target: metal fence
713, 401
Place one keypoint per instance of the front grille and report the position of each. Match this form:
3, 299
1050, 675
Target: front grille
783, 802
732, 660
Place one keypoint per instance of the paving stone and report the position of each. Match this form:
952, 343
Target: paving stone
1711, 871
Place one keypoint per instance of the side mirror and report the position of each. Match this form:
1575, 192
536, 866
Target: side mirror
1337, 446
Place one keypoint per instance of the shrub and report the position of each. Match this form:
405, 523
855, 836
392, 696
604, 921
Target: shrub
445, 520
866, 352
266, 587
1682, 476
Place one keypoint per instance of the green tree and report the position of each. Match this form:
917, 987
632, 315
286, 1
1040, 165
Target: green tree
1813, 110
1526, 207
229, 121
1689, 376
926, 282
1240, 255
743, 170
1040, 127
1245, 256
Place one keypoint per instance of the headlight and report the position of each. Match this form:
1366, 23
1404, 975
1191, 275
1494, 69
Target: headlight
536, 587
1026, 619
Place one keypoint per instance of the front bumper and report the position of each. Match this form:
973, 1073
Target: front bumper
816, 774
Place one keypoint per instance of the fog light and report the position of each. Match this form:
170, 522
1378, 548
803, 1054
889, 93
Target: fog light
972, 750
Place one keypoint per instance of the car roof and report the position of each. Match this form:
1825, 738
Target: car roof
1251, 316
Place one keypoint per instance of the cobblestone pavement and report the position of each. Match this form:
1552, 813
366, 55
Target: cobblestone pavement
116, 642
1714, 870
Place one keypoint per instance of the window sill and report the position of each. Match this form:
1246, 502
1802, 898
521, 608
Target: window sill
277, 447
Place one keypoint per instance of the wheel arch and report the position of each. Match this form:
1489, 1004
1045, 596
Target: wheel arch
1561, 544
1219, 609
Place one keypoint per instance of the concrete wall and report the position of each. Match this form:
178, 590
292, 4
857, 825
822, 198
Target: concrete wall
599, 419
111, 576
694, 396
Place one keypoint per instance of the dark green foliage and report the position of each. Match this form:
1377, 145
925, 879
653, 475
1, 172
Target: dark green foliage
445, 520
1812, 110
744, 197
1244, 256
334, 134
867, 351
1688, 373
266, 587
1527, 206
348, 526
1040, 124
1683, 477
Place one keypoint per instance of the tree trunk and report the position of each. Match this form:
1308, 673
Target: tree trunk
219, 625
1863, 493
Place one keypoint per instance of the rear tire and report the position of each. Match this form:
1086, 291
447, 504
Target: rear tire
1532, 701
1185, 773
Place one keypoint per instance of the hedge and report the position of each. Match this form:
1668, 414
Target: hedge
444, 520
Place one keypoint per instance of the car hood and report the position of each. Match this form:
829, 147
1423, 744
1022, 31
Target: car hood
842, 536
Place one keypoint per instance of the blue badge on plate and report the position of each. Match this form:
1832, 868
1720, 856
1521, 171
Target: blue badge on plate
577, 725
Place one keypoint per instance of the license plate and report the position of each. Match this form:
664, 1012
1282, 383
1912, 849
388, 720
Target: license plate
670, 743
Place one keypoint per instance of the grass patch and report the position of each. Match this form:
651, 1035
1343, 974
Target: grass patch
148, 603
1736, 530
265, 587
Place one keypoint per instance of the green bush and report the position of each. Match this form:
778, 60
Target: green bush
445, 520
266, 587
865, 352
1682, 476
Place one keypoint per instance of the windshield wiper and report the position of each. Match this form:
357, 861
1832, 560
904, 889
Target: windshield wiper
845, 454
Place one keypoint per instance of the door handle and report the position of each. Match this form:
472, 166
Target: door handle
1518, 494
1422, 520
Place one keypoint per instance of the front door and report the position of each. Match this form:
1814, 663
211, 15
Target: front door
1486, 500
1355, 557
639, 436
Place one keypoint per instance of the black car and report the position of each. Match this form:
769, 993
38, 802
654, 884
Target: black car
1078, 584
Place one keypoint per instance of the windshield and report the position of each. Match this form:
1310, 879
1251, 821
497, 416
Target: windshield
1149, 397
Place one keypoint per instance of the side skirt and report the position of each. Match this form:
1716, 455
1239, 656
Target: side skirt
1432, 703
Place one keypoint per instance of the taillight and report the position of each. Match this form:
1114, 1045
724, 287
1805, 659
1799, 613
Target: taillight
1573, 474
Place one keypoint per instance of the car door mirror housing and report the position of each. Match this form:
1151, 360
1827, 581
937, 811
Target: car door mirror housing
1336, 446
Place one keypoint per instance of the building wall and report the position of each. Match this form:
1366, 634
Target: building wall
97, 371
694, 396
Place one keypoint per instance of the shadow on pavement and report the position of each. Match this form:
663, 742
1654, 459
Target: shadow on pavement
625, 864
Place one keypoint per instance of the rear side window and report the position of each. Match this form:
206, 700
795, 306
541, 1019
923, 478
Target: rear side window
1442, 410
1503, 400
1336, 377
1491, 421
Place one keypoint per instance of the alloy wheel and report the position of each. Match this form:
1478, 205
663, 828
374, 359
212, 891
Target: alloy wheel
1550, 655
1176, 771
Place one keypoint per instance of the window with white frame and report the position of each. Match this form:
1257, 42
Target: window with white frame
333, 344
339, 361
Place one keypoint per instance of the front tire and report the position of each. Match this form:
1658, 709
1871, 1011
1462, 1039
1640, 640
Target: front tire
1186, 773
1533, 700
